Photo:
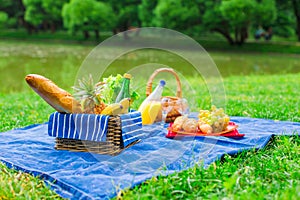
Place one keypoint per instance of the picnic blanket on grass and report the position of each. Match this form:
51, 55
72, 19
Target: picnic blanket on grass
78, 175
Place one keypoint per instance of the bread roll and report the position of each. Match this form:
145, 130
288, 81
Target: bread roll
190, 125
59, 99
179, 121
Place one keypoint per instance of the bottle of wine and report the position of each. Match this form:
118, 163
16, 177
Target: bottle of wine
151, 106
124, 92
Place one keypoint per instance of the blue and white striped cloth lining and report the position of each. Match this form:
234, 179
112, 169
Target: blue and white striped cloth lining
131, 127
78, 126
93, 127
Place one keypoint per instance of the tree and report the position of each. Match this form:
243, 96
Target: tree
233, 18
53, 11
34, 12
44, 12
88, 15
146, 12
285, 23
296, 6
126, 12
3, 18
176, 14
15, 13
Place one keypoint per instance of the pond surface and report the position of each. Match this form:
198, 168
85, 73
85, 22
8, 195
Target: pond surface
60, 62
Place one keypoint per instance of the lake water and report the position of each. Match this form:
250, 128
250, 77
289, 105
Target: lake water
61, 63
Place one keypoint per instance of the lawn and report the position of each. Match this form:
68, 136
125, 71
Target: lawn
270, 173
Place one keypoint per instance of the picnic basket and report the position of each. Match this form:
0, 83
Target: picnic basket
174, 113
113, 144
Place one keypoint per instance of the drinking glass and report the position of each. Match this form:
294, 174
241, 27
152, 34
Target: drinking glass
183, 107
166, 108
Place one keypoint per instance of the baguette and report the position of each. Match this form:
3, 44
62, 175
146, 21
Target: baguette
59, 99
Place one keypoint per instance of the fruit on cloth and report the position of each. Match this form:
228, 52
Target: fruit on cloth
150, 112
125, 103
205, 128
112, 109
88, 94
99, 108
215, 117
59, 99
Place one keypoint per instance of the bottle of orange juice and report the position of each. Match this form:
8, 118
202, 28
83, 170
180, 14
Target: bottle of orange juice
151, 106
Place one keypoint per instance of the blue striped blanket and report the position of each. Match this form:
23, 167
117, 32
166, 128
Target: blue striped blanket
93, 127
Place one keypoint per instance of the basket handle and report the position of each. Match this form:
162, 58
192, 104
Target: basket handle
170, 70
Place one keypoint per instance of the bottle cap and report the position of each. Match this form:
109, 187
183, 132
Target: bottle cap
162, 82
127, 76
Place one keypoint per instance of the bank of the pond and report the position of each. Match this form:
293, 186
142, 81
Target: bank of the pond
209, 42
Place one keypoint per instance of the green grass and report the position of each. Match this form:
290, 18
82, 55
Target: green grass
56, 37
17, 185
253, 46
271, 173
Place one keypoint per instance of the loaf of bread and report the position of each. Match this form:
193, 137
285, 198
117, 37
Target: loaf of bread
59, 99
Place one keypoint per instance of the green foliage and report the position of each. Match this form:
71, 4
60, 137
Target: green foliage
3, 17
34, 11
43, 11
14, 12
127, 14
12, 8
146, 12
265, 13
53, 9
285, 22
238, 13
233, 18
87, 15
176, 14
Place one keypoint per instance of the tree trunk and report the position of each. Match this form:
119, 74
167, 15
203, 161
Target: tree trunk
97, 34
298, 28
242, 36
53, 28
86, 34
236, 35
22, 19
296, 5
226, 34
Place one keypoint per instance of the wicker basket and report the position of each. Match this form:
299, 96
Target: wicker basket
174, 113
112, 146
